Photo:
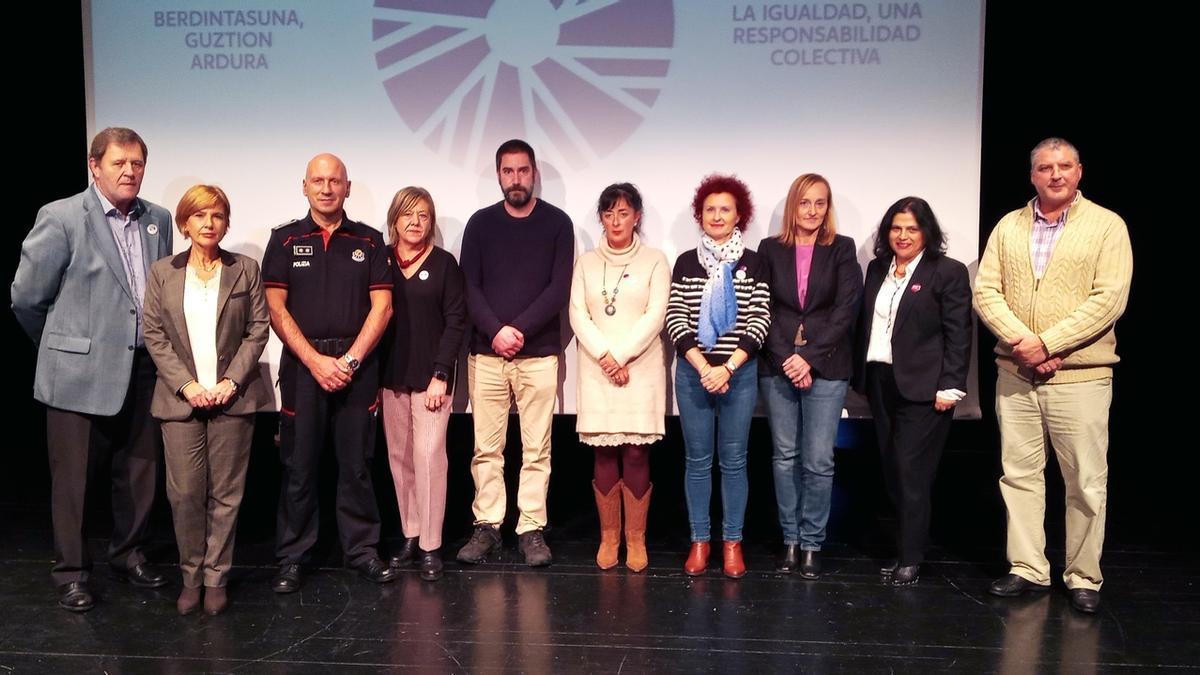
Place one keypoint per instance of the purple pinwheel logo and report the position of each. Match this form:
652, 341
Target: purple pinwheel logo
578, 77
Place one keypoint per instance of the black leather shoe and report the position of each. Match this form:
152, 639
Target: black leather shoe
790, 560
905, 575
289, 579
407, 555
141, 575
1011, 585
375, 570
431, 565
810, 564
75, 597
1085, 600
889, 568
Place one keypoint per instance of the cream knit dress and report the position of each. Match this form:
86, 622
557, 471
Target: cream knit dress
609, 415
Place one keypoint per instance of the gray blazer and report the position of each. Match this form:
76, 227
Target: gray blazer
242, 327
71, 296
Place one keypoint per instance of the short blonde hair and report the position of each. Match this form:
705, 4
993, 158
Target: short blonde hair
825, 235
198, 198
405, 200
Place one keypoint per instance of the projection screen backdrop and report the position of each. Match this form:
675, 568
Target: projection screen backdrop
882, 98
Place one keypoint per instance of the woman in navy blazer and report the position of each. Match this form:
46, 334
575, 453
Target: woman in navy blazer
815, 284
914, 349
205, 326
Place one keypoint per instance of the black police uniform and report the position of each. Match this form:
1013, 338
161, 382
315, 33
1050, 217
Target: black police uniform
329, 279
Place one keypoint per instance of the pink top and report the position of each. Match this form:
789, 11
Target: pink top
804, 256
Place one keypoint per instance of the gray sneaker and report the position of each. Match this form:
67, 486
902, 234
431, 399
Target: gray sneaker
484, 540
533, 547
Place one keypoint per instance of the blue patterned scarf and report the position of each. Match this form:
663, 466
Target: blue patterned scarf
718, 304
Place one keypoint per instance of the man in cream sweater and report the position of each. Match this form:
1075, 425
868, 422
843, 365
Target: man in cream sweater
1052, 283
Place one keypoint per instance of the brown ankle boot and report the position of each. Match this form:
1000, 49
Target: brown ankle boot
215, 600
189, 599
635, 528
731, 554
609, 507
697, 560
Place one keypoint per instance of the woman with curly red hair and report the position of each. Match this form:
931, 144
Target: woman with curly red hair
717, 317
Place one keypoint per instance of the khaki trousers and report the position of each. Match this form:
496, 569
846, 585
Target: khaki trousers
416, 442
494, 382
1075, 419
206, 459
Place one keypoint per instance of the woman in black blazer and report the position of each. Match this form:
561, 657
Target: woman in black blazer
816, 285
914, 345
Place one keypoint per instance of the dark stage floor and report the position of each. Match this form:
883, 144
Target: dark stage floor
572, 617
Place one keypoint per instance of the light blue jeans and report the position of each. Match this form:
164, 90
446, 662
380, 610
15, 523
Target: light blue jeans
698, 413
804, 426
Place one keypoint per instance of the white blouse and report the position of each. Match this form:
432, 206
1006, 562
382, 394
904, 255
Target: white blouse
883, 319
200, 314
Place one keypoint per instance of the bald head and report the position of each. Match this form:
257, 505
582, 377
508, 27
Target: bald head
327, 187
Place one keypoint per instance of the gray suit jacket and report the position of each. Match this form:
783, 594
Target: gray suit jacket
71, 296
242, 327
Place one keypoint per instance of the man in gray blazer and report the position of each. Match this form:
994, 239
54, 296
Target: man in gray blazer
78, 293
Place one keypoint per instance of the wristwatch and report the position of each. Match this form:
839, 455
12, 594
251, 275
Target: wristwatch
730, 366
439, 374
350, 361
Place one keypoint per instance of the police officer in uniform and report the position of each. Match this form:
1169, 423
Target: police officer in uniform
329, 291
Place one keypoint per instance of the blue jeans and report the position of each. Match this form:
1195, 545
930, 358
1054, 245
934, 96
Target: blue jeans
804, 426
698, 412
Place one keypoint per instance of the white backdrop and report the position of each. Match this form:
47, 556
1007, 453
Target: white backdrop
882, 98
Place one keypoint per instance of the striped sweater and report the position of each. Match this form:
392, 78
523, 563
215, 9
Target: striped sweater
753, 302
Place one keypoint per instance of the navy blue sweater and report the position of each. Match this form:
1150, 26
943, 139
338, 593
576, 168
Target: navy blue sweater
518, 273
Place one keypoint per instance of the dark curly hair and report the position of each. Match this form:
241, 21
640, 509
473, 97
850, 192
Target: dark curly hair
935, 241
716, 184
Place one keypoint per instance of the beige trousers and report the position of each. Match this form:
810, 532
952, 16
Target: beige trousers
416, 442
494, 382
206, 474
1074, 417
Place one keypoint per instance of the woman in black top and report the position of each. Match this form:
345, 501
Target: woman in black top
913, 353
428, 321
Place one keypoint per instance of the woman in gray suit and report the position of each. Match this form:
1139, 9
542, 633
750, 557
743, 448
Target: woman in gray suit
206, 325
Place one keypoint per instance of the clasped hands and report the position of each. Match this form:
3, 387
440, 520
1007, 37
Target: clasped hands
508, 342
199, 397
616, 373
798, 371
1032, 357
331, 372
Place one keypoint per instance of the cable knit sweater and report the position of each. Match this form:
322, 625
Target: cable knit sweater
1074, 307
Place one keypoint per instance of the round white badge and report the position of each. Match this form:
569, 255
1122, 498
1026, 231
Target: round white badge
152, 229
741, 275
423, 275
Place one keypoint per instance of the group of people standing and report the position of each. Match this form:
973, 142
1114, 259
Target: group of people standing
372, 327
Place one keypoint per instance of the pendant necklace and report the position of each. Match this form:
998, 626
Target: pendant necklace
610, 304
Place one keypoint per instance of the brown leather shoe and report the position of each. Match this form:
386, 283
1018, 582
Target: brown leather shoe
731, 553
215, 600
609, 508
697, 560
189, 600
635, 529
